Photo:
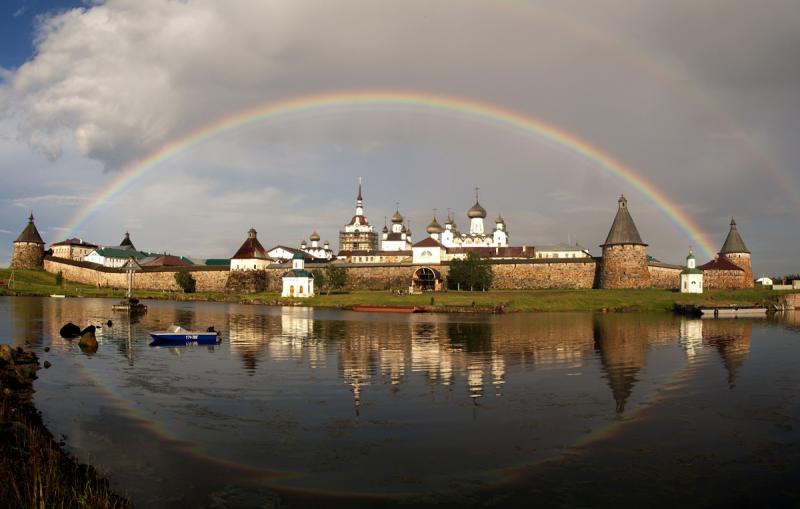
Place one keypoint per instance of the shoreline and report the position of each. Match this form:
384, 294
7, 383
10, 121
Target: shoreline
37, 469
43, 284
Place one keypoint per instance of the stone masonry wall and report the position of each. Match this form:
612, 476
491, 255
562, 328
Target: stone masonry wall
664, 277
725, 279
209, 279
624, 266
525, 276
27, 255
743, 260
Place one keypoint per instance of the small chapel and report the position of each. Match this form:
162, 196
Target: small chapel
298, 282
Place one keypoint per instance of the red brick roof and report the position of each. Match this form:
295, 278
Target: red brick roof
428, 242
164, 261
251, 248
720, 263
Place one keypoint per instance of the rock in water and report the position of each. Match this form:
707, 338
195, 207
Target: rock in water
47, 364
70, 330
88, 342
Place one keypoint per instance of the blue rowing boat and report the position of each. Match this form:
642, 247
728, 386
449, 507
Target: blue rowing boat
176, 335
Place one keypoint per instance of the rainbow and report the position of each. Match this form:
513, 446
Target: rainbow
470, 108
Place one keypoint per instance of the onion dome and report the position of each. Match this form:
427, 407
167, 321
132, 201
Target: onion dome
385, 229
449, 220
252, 233
314, 236
303, 244
397, 218
476, 211
434, 227
499, 220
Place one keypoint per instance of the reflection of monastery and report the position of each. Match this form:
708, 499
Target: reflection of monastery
392, 259
473, 360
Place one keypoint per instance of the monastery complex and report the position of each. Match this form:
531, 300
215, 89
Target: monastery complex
392, 260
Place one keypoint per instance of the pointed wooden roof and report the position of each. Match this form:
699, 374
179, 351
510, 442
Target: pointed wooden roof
733, 242
30, 233
623, 230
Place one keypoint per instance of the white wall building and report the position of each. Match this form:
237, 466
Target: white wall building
399, 237
562, 250
113, 257
691, 276
252, 255
298, 282
427, 251
323, 252
477, 236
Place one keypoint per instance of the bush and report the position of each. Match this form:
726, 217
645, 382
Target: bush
319, 280
185, 281
336, 277
470, 273
59, 278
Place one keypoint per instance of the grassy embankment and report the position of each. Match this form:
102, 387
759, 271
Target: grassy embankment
36, 472
42, 283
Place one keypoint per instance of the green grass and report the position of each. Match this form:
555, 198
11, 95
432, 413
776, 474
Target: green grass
41, 283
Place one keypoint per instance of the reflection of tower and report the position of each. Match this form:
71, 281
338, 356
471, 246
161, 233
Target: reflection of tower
26, 320
732, 340
622, 343
691, 339
498, 373
248, 335
475, 380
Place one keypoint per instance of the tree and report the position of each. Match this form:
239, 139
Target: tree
336, 277
472, 272
59, 278
185, 281
319, 280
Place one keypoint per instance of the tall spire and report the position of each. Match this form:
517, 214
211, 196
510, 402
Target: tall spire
359, 200
623, 230
733, 242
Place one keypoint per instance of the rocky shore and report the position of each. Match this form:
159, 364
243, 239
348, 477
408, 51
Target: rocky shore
36, 471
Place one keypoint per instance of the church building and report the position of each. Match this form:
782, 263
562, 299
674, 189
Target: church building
298, 282
691, 276
358, 234
399, 238
477, 236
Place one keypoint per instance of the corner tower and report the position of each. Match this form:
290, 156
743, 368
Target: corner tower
28, 249
734, 250
624, 263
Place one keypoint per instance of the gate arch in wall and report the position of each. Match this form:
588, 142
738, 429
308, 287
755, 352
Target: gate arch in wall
426, 279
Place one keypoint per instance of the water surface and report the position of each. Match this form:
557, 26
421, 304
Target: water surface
303, 406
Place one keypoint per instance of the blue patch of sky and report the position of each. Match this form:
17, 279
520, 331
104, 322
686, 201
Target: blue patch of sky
18, 21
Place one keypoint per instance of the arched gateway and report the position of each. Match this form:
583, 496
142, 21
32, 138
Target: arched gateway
426, 279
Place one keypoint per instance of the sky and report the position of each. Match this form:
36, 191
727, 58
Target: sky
700, 100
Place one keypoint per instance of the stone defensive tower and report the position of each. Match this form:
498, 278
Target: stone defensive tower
28, 250
624, 263
734, 250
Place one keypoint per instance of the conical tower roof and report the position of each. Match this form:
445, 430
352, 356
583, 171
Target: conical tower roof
623, 230
30, 233
126, 241
733, 243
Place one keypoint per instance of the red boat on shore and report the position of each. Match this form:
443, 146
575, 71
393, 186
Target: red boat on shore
388, 309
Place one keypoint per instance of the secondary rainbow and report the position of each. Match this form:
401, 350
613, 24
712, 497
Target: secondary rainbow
342, 100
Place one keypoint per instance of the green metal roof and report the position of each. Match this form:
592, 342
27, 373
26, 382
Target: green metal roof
687, 270
115, 252
298, 273
218, 262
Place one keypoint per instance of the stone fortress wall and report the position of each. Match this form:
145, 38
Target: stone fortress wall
508, 275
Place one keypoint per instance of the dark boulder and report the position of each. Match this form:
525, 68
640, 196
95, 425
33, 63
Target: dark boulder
88, 342
70, 331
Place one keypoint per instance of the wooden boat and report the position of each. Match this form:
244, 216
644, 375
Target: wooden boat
366, 308
176, 335
57, 296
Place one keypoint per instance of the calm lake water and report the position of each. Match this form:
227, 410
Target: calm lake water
303, 407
